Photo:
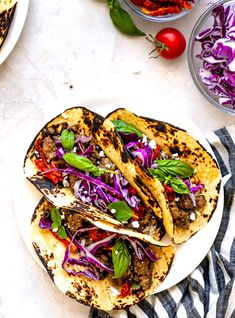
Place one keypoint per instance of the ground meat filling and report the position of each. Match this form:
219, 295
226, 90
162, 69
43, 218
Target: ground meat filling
182, 209
200, 201
49, 148
180, 217
185, 202
107, 164
148, 222
75, 222
143, 272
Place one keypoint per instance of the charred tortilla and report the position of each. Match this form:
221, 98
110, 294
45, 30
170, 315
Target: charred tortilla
7, 10
89, 284
97, 144
183, 215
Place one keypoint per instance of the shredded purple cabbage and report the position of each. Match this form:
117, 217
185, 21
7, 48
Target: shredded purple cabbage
128, 137
89, 150
90, 193
88, 271
45, 224
85, 261
193, 188
60, 152
140, 250
83, 139
145, 155
71, 170
92, 248
218, 55
132, 200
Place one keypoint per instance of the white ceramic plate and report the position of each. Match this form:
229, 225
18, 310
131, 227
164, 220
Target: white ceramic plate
189, 254
15, 29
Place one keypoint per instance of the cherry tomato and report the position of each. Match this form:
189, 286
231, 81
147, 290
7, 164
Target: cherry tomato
169, 42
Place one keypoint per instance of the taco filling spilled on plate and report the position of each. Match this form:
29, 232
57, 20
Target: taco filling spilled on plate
74, 161
97, 267
177, 167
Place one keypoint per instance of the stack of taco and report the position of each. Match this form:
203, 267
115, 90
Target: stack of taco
112, 188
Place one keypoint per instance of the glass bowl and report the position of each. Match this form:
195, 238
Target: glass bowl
194, 47
164, 18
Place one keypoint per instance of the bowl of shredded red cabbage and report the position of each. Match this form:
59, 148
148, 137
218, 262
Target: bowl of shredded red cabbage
211, 55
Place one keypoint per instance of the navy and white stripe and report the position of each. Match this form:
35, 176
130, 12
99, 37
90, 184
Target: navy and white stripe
210, 290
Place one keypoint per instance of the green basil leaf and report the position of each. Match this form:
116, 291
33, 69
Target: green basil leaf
120, 258
157, 173
84, 164
135, 286
61, 232
80, 162
122, 20
55, 225
99, 172
175, 168
123, 211
67, 139
55, 216
126, 128
179, 186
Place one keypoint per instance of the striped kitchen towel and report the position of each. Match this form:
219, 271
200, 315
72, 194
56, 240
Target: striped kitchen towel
210, 290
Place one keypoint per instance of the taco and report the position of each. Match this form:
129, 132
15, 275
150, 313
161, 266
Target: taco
185, 178
78, 161
104, 269
7, 10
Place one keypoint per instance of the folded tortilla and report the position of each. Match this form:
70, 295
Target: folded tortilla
104, 136
7, 10
174, 140
103, 293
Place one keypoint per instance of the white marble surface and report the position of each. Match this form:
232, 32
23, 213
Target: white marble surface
74, 43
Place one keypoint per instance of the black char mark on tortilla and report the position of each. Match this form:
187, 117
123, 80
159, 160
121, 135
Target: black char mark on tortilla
105, 136
97, 294
172, 140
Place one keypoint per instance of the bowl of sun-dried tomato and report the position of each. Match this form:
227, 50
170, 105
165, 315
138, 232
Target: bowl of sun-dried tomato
161, 10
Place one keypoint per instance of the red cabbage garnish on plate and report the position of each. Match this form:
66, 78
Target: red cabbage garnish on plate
218, 55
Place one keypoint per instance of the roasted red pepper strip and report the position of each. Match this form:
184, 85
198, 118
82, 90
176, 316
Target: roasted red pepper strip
171, 196
162, 7
38, 146
132, 190
168, 188
66, 242
162, 11
97, 236
139, 214
149, 5
43, 165
156, 153
125, 290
